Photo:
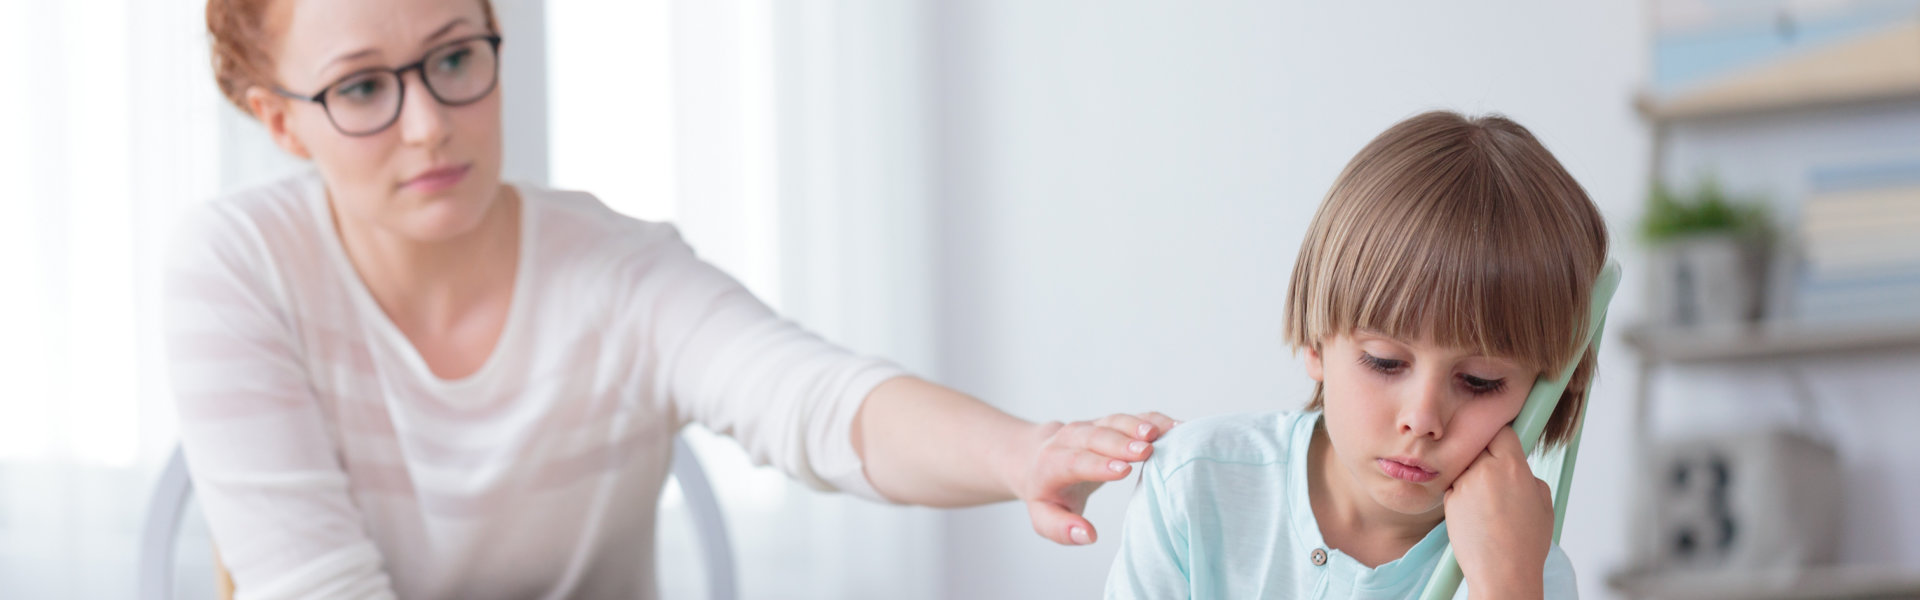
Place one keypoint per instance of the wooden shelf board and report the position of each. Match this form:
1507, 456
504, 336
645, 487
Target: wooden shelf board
1777, 584
1767, 340
1881, 66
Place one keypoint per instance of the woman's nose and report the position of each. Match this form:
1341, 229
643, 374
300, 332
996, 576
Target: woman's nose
423, 119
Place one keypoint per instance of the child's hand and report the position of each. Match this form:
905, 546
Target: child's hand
1072, 460
1500, 520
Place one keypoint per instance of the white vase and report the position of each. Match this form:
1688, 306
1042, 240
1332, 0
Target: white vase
1705, 280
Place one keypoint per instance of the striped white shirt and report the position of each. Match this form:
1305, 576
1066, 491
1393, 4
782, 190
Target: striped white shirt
330, 462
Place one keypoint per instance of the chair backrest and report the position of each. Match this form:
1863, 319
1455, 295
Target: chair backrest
1532, 421
166, 510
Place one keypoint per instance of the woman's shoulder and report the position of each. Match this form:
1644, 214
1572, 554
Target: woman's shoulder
1255, 439
272, 218
579, 222
285, 200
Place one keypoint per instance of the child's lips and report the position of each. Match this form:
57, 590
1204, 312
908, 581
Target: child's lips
1407, 470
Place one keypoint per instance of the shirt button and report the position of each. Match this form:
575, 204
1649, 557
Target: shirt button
1319, 557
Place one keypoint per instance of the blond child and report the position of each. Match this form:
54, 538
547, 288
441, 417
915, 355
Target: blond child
1446, 270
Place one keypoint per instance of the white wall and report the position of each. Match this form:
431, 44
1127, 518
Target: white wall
1124, 186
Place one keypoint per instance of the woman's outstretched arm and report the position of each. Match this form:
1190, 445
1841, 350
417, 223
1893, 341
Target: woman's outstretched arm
922, 443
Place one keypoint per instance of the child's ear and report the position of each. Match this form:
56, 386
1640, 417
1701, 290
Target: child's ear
1315, 367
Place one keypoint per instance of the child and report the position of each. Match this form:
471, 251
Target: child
1449, 266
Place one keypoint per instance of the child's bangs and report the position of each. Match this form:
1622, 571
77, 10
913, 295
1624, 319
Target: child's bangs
1459, 232
1455, 259
1506, 302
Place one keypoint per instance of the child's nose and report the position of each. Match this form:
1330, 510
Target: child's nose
1424, 412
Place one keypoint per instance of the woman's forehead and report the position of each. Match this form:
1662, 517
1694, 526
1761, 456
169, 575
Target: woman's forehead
322, 37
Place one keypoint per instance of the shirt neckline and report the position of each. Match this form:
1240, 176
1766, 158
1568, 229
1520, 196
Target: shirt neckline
1415, 564
383, 326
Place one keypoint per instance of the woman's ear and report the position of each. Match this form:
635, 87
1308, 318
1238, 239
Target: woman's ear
271, 110
1316, 368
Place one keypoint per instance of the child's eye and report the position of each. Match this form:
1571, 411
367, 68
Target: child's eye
1481, 387
1386, 366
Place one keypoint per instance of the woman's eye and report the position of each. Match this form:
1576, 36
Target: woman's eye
453, 62
1483, 386
1383, 365
359, 89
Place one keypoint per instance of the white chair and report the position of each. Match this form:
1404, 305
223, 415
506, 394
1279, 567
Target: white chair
166, 510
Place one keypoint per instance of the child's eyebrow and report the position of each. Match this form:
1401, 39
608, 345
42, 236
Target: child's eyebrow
1375, 333
1467, 354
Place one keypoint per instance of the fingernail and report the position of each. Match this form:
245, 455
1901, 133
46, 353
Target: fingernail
1117, 466
1080, 536
1145, 429
1176, 423
1137, 447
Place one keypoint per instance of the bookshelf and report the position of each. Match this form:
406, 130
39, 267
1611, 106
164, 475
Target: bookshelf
1879, 67
1858, 81
1767, 340
1659, 347
1819, 583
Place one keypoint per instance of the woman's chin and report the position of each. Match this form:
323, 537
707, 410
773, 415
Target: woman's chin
445, 219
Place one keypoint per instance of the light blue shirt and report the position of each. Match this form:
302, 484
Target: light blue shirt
1222, 512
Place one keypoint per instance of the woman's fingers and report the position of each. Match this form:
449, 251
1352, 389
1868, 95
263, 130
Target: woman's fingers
1147, 426
1076, 459
1129, 425
1063, 526
1117, 445
1161, 423
1086, 465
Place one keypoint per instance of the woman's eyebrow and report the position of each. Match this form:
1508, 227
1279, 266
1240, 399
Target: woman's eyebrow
355, 55
445, 29
365, 52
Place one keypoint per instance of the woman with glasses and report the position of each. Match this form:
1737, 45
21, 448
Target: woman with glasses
397, 374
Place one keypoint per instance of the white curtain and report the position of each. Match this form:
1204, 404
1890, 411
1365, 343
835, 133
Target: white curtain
106, 124
786, 142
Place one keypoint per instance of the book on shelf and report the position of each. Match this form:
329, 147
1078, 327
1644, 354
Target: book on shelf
1859, 241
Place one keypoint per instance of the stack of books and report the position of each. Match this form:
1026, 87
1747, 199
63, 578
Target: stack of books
1859, 235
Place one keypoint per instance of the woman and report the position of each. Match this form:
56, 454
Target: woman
398, 375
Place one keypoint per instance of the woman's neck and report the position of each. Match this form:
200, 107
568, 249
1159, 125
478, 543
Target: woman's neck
432, 286
1349, 519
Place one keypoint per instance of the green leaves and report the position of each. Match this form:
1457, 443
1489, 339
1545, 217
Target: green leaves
1707, 209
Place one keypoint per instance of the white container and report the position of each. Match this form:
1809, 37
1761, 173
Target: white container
1706, 279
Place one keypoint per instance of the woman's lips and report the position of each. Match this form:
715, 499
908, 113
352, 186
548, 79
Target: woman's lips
437, 180
1406, 472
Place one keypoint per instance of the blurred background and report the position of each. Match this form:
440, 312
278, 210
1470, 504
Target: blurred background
1071, 208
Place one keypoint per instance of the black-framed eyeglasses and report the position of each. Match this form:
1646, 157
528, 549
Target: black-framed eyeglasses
368, 101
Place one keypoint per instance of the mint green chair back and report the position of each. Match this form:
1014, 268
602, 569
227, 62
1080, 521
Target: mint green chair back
1533, 421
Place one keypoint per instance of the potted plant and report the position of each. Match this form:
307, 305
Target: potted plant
1707, 255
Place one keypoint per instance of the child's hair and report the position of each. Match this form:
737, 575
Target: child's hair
1463, 231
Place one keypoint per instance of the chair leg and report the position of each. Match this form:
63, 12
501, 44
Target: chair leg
222, 580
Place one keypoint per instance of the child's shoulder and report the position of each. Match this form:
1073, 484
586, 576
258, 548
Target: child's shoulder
1247, 439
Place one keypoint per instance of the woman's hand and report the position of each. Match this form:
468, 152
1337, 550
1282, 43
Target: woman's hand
922, 443
1071, 460
1500, 520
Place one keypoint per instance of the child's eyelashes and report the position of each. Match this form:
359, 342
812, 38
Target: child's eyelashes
1391, 366
1482, 387
1386, 366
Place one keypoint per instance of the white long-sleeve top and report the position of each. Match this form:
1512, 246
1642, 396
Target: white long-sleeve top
331, 463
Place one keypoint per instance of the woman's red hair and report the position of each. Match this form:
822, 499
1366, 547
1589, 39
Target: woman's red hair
242, 45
